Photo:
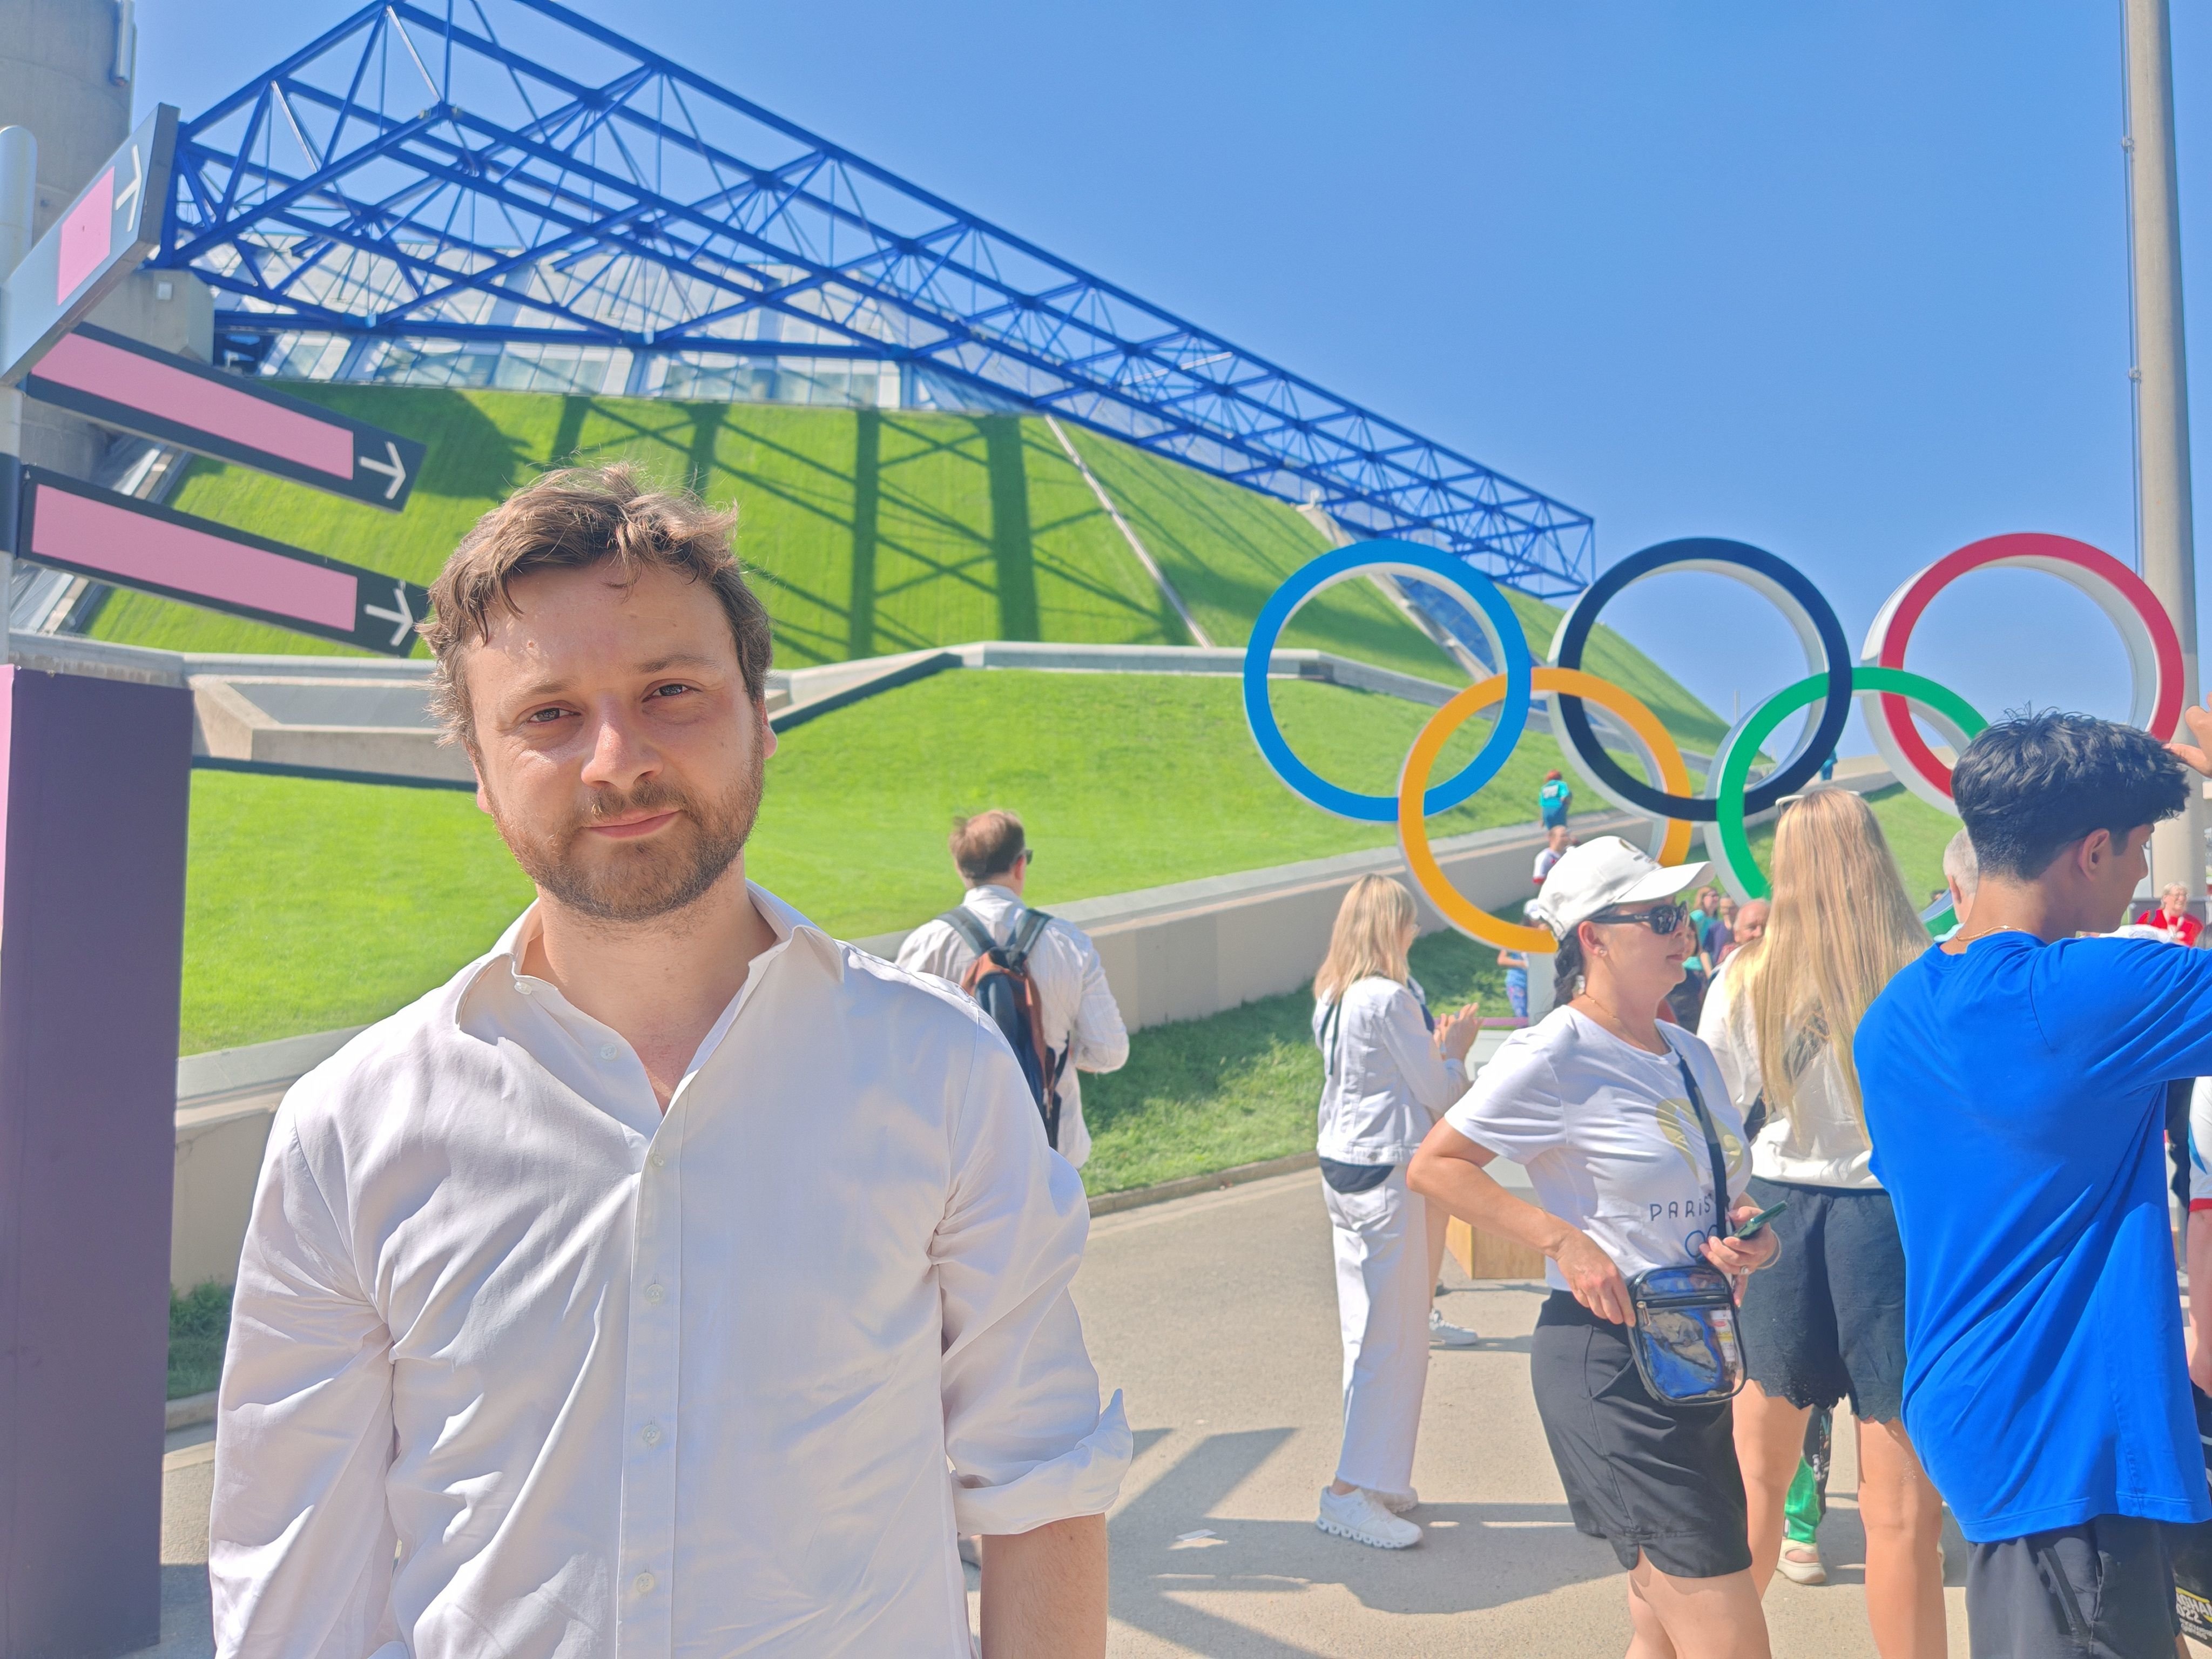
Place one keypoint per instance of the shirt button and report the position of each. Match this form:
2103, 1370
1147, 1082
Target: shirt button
654, 1294
650, 1434
608, 1051
661, 1160
526, 989
644, 1583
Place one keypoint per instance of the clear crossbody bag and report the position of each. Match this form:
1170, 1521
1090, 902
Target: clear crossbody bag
1688, 1350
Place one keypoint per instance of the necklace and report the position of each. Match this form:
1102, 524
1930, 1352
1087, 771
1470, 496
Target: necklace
1963, 940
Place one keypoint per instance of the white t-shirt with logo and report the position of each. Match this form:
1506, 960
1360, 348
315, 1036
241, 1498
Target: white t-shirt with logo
1608, 1137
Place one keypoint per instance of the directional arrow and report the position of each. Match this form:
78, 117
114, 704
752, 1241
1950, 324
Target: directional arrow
396, 470
403, 617
122, 382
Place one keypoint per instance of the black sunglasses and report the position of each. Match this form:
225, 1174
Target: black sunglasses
1661, 919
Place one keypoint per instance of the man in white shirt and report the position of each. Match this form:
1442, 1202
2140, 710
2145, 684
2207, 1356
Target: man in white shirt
676, 1279
1082, 1022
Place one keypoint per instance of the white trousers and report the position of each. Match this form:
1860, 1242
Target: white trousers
1382, 1283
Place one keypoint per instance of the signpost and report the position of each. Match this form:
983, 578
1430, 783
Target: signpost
111, 226
120, 539
119, 382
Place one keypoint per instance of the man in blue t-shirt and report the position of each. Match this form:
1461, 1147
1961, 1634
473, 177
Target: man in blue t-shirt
2015, 1081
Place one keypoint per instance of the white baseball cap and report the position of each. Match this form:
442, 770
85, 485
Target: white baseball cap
1602, 873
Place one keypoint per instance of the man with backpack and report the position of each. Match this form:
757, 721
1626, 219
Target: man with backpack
1037, 976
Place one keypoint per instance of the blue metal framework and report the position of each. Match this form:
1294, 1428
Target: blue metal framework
417, 174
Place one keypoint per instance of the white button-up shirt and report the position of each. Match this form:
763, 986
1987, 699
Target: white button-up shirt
520, 1366
1384, 1083
1081, 1015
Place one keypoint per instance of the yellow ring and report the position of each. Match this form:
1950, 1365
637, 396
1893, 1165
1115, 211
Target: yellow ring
1421, 760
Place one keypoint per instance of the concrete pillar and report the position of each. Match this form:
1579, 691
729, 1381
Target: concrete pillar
2162, 387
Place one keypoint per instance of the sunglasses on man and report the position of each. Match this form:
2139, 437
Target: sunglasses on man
1661, 919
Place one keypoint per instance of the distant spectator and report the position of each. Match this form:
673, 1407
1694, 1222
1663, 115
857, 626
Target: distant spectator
1553, 801
1516, 981
1713, 934
2172, 915
1828, 768
1749, 928
1387, 1076
1557, 840
1081, 1024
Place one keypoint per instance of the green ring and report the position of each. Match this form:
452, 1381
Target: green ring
1728, 793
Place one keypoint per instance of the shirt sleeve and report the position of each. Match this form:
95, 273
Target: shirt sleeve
2200, 1144
1721, 1031
300, 1539
1098, 1042
2144, 1005
1028, 1442
1515, 1108
929, 950
1431, 1080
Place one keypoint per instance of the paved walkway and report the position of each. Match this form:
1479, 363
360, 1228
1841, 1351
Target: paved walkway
1216, 1315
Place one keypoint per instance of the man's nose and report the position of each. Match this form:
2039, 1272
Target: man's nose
620, 755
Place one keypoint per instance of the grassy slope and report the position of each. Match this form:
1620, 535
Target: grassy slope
414, 882
1240, 1086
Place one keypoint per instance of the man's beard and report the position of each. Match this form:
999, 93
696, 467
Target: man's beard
638, 881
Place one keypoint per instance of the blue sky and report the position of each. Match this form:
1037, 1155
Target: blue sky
1849, 281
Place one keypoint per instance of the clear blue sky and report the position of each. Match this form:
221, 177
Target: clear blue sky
1846, 281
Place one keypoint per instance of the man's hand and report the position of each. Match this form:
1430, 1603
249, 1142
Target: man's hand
1044, 1592
2196, 755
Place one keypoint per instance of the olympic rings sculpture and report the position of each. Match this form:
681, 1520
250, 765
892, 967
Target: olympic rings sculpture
1888, 694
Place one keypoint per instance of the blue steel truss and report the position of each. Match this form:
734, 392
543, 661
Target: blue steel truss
417, 174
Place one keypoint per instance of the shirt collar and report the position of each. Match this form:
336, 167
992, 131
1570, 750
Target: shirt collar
989, 893
502, 965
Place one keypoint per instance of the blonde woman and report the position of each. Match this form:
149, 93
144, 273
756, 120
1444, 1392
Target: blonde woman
1385, 1079
1830, 1322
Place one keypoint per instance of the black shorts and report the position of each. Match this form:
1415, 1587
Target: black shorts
1644, 1476
2103, 1589
1828, 1319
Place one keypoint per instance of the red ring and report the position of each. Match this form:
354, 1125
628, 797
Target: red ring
1892, 627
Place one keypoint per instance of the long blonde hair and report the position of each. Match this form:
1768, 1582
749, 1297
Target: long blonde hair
1839, 929
1368, 939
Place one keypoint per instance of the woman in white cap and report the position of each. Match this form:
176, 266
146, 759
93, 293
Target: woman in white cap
1385, 1078
1636, 1153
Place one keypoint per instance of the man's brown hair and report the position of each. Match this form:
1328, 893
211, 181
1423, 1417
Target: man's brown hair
572, 519
989, 844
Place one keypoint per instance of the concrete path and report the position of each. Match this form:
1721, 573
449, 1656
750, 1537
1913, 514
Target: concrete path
1216, 1315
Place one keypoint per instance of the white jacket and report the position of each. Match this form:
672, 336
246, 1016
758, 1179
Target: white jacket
1384, 1084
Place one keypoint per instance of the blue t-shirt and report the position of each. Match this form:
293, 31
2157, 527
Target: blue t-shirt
2015, 1096
1552, 800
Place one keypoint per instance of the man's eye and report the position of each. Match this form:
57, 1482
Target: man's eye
542, 716
669, 691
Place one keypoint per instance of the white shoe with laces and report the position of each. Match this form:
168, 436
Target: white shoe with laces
1446, 1335
1359, 1516
1399, 1502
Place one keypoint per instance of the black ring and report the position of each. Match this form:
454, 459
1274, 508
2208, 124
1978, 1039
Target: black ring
1574, 633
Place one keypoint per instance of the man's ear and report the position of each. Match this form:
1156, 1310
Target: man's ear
768, 738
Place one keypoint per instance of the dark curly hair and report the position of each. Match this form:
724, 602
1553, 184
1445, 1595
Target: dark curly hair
2030, 787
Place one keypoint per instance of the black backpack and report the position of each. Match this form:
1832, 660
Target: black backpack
998, 979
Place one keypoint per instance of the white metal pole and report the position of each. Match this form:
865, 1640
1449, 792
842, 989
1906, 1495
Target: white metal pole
2161, 377
19, 198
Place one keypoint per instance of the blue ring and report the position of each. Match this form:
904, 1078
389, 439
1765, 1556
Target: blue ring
1446, 571
1818, 744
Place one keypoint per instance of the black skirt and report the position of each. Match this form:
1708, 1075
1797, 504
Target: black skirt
1645, 1476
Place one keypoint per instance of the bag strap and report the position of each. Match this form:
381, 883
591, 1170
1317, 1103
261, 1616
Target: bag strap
1328, 1038
1027, 932
963, 922
1712, 1144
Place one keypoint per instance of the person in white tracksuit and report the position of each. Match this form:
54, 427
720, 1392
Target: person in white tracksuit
1386, 1079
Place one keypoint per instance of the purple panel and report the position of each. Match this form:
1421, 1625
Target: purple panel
92, 895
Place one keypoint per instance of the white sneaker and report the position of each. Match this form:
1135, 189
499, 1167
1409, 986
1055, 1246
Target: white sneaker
1805, 1567
1355, 1514
1399, 1502
1449, 1335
